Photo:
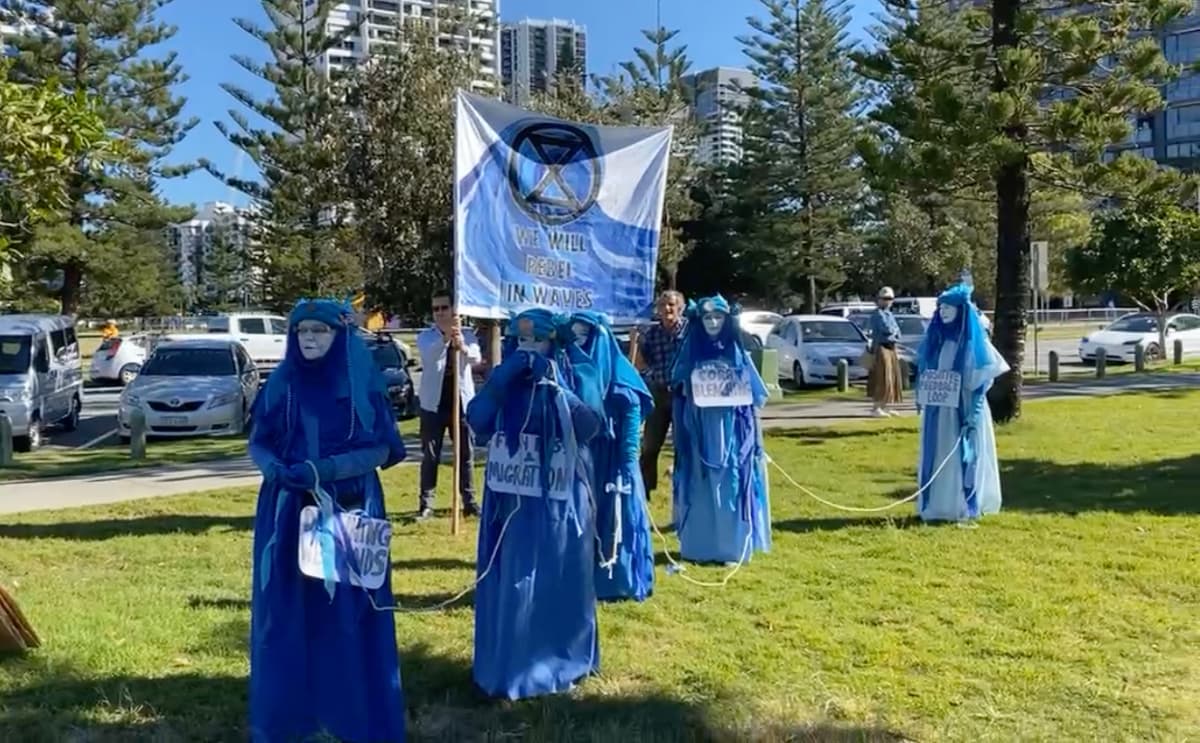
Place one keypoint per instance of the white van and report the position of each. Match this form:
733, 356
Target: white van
264, 336
41, 376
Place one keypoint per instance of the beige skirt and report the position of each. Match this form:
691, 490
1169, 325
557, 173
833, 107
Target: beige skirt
884, 384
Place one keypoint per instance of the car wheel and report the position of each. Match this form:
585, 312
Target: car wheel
71, 422
32, 441
128, 373
1153, 352
798, 374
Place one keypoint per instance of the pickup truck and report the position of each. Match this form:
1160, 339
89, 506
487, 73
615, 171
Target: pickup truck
263, 336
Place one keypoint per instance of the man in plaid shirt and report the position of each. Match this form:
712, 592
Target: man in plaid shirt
657, 349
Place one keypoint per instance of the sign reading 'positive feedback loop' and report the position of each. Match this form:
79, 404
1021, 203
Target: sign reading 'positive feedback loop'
939, 389
716, 384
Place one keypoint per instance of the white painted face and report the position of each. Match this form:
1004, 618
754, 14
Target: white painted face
948, 312
315, 338
529, 343
582, 331
713, 323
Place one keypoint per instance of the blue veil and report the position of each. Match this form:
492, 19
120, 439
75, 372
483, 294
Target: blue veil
600, 365
698, 347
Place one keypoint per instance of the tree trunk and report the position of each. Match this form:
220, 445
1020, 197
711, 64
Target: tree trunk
72, 281
1012, 238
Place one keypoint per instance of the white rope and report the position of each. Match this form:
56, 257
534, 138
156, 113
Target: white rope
855, 509
679, 568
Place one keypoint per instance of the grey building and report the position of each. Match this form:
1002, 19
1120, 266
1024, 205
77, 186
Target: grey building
533, 51
718, 96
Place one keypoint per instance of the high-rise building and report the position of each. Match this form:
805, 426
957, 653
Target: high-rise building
533, 51
717, 97
383, 23
191, 243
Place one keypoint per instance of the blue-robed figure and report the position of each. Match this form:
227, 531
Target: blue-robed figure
322, 658
722, 510
957, 366
625, 568
535, 598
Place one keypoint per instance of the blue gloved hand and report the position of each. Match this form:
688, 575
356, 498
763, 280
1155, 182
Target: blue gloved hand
539, 366
298, 476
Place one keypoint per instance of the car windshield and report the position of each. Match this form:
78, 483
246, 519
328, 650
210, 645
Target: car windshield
910, 325
1135, 324
14, 354
818, 331
190, 362
761, 318
387, 356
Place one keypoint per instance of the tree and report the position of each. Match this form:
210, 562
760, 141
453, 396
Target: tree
299, 223
223, 271
398, 138
101, 49
800, 131
653, 91
1145, 255
47, 135
132, 277
1010, 95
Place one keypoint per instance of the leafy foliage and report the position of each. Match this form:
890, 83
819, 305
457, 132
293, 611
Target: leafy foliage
102, 50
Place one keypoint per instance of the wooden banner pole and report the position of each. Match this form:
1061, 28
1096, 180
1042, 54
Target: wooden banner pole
456, 438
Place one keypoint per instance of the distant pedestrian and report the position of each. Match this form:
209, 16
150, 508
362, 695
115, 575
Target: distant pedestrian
884, 383
657, 349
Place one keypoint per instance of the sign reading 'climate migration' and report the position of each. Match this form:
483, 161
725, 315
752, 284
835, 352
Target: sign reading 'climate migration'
555, 214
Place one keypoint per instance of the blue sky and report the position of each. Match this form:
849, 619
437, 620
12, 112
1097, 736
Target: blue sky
208, 38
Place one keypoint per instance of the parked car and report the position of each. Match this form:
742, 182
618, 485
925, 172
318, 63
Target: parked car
192, 386
264, 336
1120, 339
119, 359
810, 347
41, 376
846, 309
393, 361
758, 323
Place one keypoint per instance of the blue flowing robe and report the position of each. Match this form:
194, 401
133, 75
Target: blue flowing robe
968, 486
625, 568
721, 502
319, 663
535, 605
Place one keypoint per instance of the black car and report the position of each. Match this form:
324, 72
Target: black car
392, 362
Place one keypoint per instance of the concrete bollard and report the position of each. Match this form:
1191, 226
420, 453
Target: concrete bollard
1177, 352
766, 360
1101, 365
843, 375
137, 434
6, 442
1054, 366
1139, 358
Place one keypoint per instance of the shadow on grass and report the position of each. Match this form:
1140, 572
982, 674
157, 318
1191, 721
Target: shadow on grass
442, 705
135, 527
809, 525
817, 435
433, 563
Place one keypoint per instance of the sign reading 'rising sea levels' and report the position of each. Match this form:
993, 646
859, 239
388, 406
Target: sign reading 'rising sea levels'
555, 214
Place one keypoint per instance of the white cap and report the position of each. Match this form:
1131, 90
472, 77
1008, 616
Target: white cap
887, 293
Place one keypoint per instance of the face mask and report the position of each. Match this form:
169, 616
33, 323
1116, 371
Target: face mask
528, 343
948, 312
583, 333
315, 338
713, 323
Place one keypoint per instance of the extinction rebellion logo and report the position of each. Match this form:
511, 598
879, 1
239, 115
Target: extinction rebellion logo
553, 172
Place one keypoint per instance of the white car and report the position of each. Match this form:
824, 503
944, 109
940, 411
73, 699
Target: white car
119, 359
1119, 341
758, 323
198, 386
810, 347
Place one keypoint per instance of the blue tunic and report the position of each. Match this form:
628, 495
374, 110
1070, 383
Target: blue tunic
625, 568
535, 601
320, 663
721, 503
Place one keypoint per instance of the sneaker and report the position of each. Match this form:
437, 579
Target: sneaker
425, 513
878, 413
470, 510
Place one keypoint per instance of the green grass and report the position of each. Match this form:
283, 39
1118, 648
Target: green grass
115, 456
1071, 615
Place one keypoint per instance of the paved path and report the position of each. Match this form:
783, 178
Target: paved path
123, 485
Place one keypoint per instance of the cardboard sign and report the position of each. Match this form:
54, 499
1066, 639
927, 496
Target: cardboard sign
716, 384
521, 473
939, 389
370, 539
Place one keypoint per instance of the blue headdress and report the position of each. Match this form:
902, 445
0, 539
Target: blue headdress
966, 329
698, 347
340, 371
599, 366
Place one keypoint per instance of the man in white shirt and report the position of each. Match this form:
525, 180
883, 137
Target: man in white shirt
434, 393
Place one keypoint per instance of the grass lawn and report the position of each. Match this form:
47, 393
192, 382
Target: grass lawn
1072, 615
115, 456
